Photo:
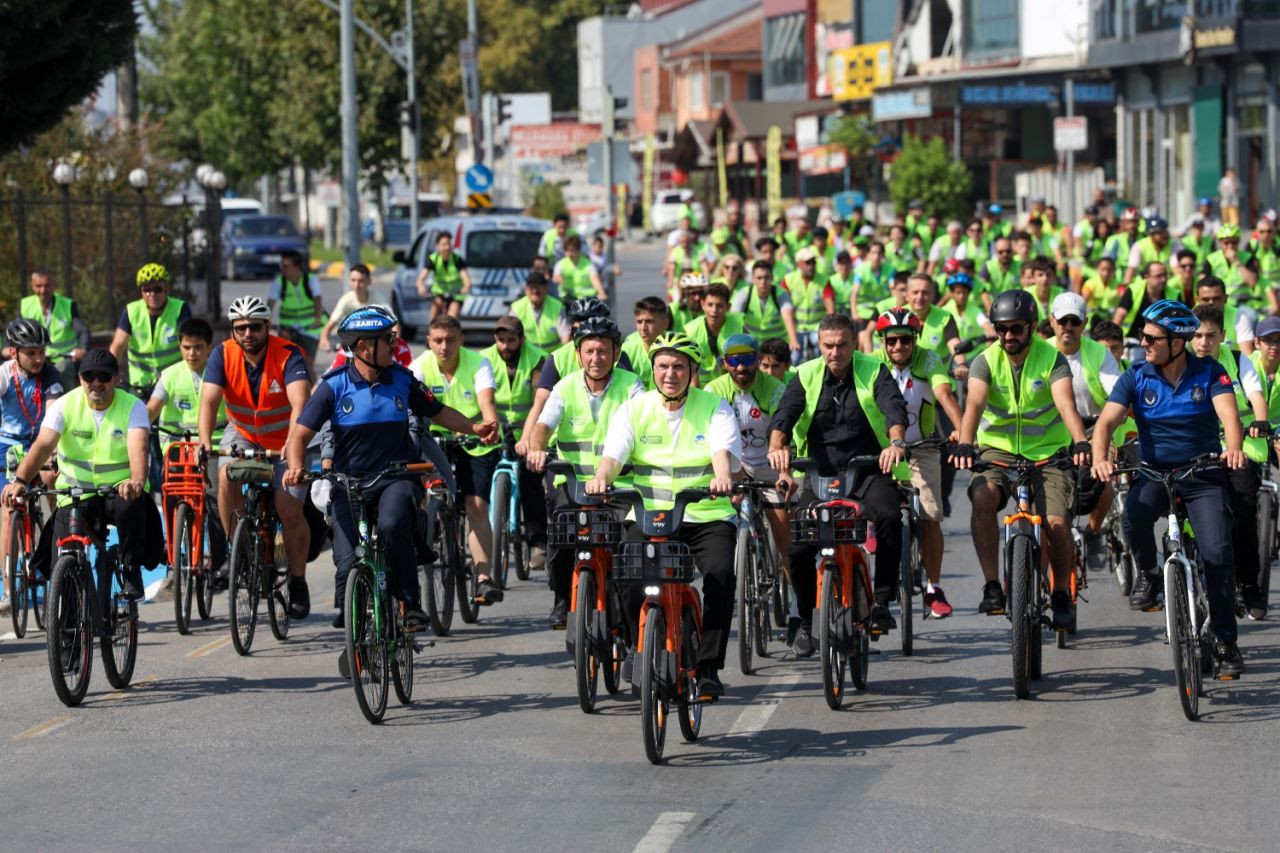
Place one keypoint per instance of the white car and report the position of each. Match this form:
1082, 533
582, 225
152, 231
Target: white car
664, 215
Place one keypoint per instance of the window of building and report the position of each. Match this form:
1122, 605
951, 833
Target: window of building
991, 28
755, 86
697, 91
719, 87
646, 89
876, 21
784, 50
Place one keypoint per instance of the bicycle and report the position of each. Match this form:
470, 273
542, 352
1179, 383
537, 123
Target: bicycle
464, 570
596, 631
1024, 576
758, 573
438, 577
1187, 625
911, 573
183, 494
1268, 518
258, 565
844, 597
376, 640
505, 517
81, 610
26, 587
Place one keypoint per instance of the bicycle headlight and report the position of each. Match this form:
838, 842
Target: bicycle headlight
828, 552
652, 590
584, 555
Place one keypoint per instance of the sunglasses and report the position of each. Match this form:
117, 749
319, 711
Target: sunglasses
94, 376
747, 360
1148, 340
898, 341
1070, 321
153, 288
1271, 341
733, 266
255, 328
1017, 330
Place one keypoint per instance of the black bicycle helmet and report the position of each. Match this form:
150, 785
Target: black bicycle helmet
1014, 306
26, 334
586, 307
597, 327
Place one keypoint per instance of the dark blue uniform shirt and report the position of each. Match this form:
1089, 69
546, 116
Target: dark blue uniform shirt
1175, 423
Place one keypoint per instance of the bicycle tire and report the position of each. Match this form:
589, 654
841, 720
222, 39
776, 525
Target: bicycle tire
1020, 574
860, 657
402, 665
204, 580
438, 577
69, 638
906, 583
781, 600
743, 567
1266, 535
119, 642
465, 577
586, 663
830, 616
653, 699
766, 572
498, 508
688, 706
279, 600
243, 588
612, 668
366, 651
519, 553
15, 567
1183, 643
181, 568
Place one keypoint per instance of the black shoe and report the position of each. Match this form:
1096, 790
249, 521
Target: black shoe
299, 599
1143, 594
628, 665
1060, 601
1255, 603
488, 593
881, 619
802, 645
946, 506
337, 620
1230, 662
559, 618
992, 599
221, 578
131, 583
793, 625
709, 686
344, 668
414, 619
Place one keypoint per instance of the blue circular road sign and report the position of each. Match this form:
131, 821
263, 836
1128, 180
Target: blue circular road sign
479, 178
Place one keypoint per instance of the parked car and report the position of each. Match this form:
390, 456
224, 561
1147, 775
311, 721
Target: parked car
395, 227
596, 224
252, 245
664, 215
499, 250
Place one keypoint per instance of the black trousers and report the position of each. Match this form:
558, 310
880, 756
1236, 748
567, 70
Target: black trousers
878, 496
1243, 487
533, 507
129, 518
395, 506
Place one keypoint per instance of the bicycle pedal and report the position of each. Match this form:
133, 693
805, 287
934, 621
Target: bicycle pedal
1221, 677
708, 700
1154, 608
996, 611
1080, 597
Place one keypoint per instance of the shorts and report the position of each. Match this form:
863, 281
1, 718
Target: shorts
475, 473
232, 439
926, 476
765, 474
1053, 489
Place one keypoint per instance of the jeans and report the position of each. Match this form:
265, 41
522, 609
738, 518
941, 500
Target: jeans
393, 506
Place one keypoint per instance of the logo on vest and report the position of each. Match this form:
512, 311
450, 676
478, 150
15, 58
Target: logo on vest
399, 403
82, 433
171, 338
117, 434
577, 422
274, 387
348, 405
1149, 397
185, 405
1197, 393
651, 439
1037, 385
699, 439
466, 394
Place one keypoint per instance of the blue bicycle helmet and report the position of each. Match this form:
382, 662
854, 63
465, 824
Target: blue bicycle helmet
1174, 317
371, 322
962, 279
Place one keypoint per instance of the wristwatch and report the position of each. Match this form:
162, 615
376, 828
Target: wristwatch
897, 442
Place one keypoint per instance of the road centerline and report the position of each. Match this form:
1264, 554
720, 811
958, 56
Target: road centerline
665, 832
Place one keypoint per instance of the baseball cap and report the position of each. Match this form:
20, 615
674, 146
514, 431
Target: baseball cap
915, 204
1069, 304
806, 254
99, 359
1268, 326
741, 343
995, 209
509, 323
1204, 202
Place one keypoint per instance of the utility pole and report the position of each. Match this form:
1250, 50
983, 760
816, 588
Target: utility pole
610, 284
1069, 215
489, 112
414, 118
350, 140
474, 40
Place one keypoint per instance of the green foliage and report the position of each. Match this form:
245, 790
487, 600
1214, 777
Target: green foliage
857, 135
53, 54
925, 171
544, 200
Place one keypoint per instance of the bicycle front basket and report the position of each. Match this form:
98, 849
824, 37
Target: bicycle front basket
586, 527
654, 562
829, 524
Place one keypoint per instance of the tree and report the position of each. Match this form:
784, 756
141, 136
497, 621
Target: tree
544, 200
53, 54
925, 171
856, 134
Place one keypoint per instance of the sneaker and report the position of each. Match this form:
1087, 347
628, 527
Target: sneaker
537, 558
6, 605
414, 619
131, 583
802, 645
559, 618
936, 603
881, 619
299, 599
1060, 601
709, 686
628, 666
1255, 603
337, 620
488, 593
1143, 594
992, 599
344, 667
1230, 662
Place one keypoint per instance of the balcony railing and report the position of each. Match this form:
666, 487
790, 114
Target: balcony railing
1123, 19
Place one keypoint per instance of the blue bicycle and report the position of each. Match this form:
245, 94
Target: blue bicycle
509, 546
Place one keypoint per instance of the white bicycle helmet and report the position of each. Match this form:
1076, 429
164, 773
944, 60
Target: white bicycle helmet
248, 308
692, 279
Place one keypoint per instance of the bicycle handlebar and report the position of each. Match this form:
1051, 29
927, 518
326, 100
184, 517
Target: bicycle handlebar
841, 485
1203, 462
659, 522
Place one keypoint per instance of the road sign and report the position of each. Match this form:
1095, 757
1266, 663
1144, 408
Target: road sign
479, 201
479, 178
1070, 133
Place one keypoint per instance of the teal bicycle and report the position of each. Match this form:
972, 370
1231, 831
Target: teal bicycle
509, 547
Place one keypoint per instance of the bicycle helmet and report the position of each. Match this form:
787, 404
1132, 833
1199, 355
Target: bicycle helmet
1174, 317
1014, 306
1129, 213
951, 266
1228, 232
248, 308
1157, 223
897, 319
676, 342
597, 327
373, 321
586, 307
960, 279
691, 280
26, 334
151, 273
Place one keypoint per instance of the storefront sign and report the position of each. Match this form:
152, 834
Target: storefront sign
823, 160
1214, 35
858, 71
892, 106
1023, 94
1070, 133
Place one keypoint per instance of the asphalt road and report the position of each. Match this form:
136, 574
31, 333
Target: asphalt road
210, 750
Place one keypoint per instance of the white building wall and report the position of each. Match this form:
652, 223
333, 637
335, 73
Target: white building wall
1053, 28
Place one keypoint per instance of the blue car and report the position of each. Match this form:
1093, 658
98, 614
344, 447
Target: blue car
252, 245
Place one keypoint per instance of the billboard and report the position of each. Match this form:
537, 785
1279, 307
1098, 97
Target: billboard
856, 72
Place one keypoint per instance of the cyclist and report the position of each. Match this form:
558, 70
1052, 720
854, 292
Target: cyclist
775, 359
68, 332
712, 330
564, 360
302, 317
516, 362
359, 296
1099, 290
1226, 262
870, 284
574, 275
1120, 244
1237, 325
812, 295
939, 333
1109, 335
551, 245
1178, 400
463, 380
1020, 406
652, 319
925, 386
686, 299
577, 415
971, 321
677, 437
779, 264
541, 315
449, 279
367, 404
148, 328
840, 405
175, 401
1139, 296
100, 434
265, 381
766, 308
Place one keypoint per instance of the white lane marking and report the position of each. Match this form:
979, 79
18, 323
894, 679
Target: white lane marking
44, 728
755, 716
210, 648
665, 832
9, 636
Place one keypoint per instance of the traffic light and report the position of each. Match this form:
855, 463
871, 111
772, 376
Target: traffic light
504, 111
611, 105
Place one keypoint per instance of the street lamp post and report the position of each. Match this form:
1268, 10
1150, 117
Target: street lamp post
63, 175
138, 179
214, 182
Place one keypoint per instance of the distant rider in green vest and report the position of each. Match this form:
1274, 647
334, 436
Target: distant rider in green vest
444, 277
299, 295
652, 318
551, 246
68, 332
711, 330
148, 328
541, 314
574, 275
1156, 246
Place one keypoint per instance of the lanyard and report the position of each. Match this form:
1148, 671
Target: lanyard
36, 399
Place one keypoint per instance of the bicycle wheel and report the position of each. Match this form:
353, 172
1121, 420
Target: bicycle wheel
830, 618
465, 576
183, 560
653, 699
278, 597
1183, 642
1266, 533
586, 664
687, 705
906, 584
204, 580
15, 568
860, 656
744, 568
499, 502
1020, 606
519, 551
402, 666
244, 587
366, 648
438, 581
781, 600
612, 668
69, 640
119, 641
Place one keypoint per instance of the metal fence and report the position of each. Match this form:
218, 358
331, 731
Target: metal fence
94, 247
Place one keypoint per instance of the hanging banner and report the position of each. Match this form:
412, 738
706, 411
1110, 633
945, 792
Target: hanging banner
721, 170
646, 192
620, 223
773, 165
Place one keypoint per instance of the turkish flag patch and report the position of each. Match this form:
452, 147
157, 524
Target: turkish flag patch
1224, 379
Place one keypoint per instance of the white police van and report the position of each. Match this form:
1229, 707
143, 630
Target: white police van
499, 250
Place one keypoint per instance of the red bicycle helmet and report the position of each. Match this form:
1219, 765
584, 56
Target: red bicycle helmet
899, 318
